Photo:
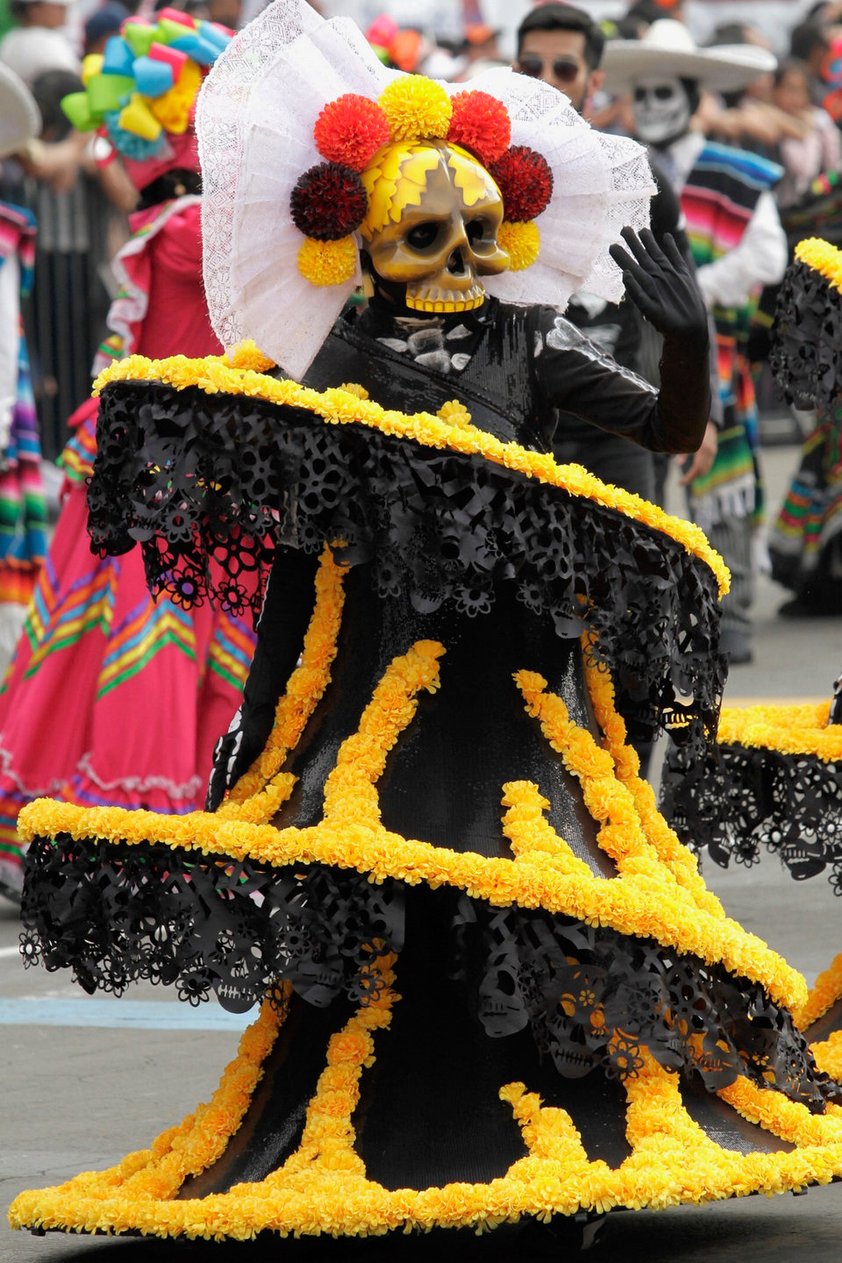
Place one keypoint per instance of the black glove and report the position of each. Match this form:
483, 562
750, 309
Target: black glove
662, 287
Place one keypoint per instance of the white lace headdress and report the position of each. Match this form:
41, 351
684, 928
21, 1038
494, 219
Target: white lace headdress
255, 120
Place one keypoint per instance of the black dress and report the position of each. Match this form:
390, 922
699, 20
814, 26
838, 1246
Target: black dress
493, 984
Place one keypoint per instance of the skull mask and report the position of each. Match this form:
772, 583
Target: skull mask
434, 214
662, 110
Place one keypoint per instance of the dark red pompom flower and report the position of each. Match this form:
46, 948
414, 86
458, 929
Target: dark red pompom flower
350, 130
480, 123
526, 182
328, 202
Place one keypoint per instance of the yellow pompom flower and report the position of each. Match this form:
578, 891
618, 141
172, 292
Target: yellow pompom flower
454, 412
522, 243
328, 262
247, 355
417, 109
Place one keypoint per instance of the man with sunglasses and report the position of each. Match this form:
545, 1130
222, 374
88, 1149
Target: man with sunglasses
564, 46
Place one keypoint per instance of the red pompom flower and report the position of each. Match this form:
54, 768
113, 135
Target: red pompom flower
480, 123
526, 182
350, 130
328, 202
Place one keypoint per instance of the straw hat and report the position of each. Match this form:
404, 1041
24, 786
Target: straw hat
669, 49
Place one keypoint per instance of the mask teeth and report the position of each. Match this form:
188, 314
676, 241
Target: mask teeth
474, 297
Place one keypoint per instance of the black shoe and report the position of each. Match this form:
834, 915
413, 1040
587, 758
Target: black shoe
736, 646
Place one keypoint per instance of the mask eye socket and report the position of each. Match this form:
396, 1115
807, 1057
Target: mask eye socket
481, 235
423, 236
664, 92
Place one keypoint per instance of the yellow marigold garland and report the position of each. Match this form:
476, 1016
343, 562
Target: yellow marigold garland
157, 1173
328, 1137
677, 857
247, 354
672, 1161
214, 375
531, 835
794, 729
646, 900
828, 1055
454, 412
823, 258
789, 1120
263, 788
350, 793
824, 993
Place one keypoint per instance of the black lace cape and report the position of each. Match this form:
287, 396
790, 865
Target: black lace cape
736, 801
210, 484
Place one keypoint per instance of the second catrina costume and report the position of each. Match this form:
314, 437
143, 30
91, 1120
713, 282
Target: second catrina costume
492, 983
87, 703
774, 779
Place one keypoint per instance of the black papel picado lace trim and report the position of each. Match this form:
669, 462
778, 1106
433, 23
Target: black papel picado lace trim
194, 477
116, 913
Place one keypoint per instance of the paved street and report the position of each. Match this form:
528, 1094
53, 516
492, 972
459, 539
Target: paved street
87, 1080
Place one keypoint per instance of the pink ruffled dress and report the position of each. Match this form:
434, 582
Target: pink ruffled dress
112, 698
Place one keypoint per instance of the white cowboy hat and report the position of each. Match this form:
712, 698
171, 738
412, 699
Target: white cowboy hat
20, 120
669, 49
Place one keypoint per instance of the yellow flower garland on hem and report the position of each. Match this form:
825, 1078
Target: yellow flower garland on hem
215, 375
794, 729
828, 1055
824, 993
323, 1188
157, 1173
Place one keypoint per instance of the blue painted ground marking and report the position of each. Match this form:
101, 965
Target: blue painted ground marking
156, 1015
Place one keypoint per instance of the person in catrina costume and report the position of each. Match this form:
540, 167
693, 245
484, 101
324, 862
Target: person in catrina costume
95, 647
493, 986
774, 779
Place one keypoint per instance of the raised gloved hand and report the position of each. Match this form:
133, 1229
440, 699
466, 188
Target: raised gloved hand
662, 287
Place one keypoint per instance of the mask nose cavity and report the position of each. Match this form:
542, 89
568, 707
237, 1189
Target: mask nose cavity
456, 262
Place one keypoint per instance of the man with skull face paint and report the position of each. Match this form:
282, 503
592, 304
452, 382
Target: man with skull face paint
439, 794
738, 246
554, 41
